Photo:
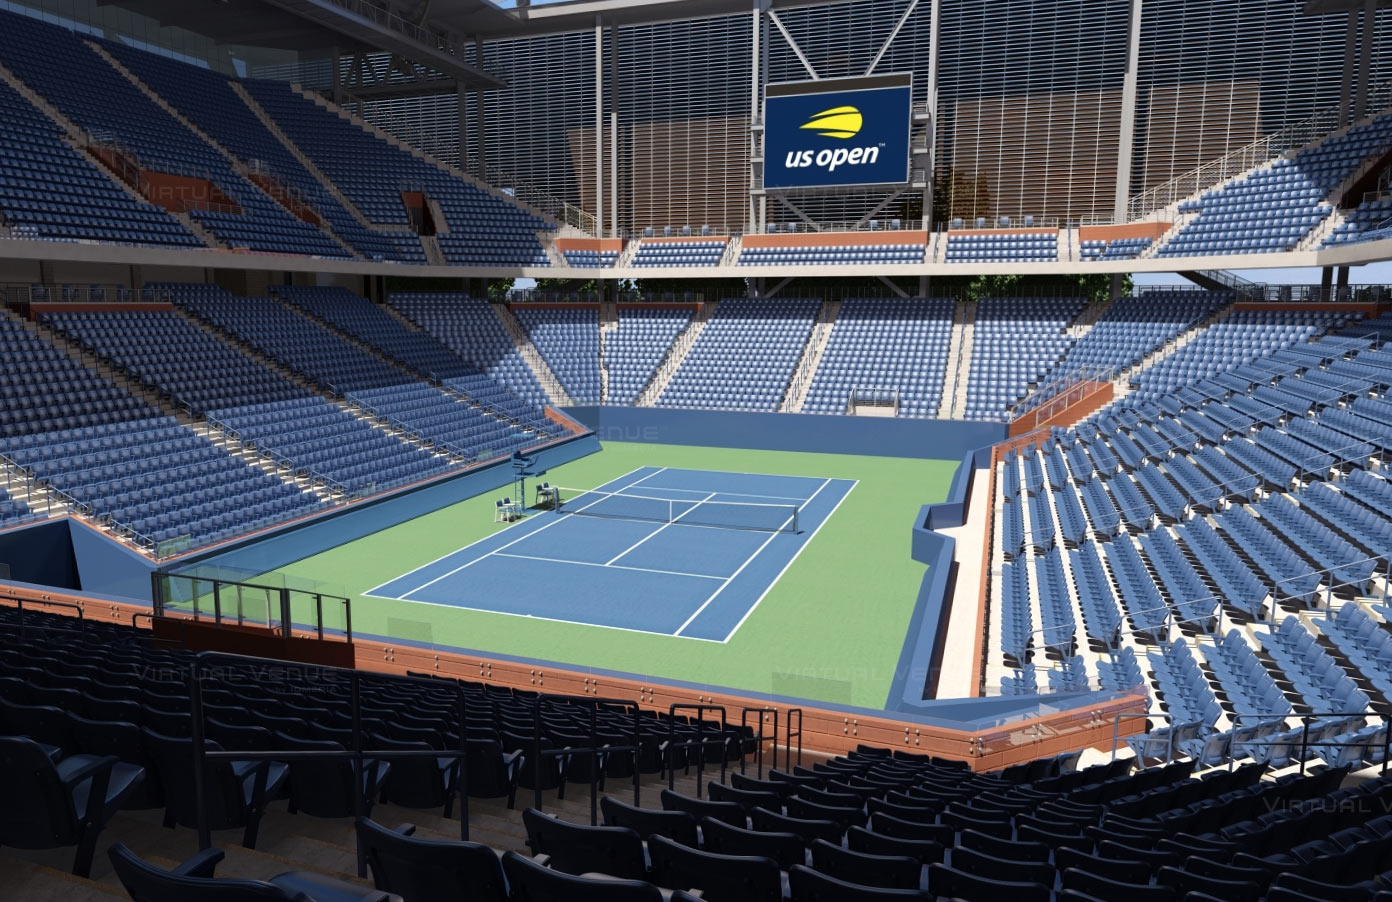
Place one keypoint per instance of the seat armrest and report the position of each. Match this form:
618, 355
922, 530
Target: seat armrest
202, 864
405, 829
84, 768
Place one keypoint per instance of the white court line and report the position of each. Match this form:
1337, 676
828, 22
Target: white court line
533, 532
470, 545
769, 589
651, 534
666, 488
558, 560
749, 560
586, 623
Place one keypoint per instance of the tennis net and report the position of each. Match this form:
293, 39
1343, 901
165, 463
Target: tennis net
689, 512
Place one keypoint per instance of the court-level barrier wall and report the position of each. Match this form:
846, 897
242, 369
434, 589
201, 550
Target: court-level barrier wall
353, 523
986, 733
69, 554
875, 436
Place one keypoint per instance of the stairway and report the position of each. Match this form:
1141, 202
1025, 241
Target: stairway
76, 138
40, 500
553, 253
1121, 385
676, 355
1088, 318
231, 442
732, 251
433, 255
416, 152
608, 325
538, 365
108, 371
625, 257
237, 165
806, 370
324, 181
954, 397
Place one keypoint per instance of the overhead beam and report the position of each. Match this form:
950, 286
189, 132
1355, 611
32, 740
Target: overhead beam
391, 33
424, 87
898, 26
773, 17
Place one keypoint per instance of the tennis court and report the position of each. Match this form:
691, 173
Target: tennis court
670, 551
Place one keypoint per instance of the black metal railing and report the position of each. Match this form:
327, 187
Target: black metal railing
358, 754
596, 752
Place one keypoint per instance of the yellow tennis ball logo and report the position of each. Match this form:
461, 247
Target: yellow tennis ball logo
838, 122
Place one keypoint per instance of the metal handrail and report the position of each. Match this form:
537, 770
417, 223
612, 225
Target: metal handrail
1134, 715
1305, 721
592, 750
20, 602
357, 754
699, 743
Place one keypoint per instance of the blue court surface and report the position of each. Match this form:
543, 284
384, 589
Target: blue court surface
675, 552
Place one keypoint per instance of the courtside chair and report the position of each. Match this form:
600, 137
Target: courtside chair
194, 880
421, 870
48, 805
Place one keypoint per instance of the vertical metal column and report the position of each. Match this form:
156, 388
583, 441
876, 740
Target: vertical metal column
1365, 74
755, 109
336, 75
1346, 83
934, 9
614, 130
599, 124
1126, 140
461, 105
480, 137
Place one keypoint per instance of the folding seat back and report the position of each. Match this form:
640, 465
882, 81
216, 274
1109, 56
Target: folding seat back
231, 799
765, 820
718, 877
529, 881
787, 849
891, 872
808, 885
647, 822
579, 849
729, 812
147, 883
421, 870
48, 806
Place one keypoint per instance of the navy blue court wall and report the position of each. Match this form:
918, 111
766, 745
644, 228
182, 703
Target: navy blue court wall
41, 554
881, 436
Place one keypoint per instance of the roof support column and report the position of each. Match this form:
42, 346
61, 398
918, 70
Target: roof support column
614, 130
1126, 139
1365, 65
932, 137
599, 124
336, 76
1346, 83
480, 136
756, 142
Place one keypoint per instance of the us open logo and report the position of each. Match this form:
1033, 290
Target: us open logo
841, 123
